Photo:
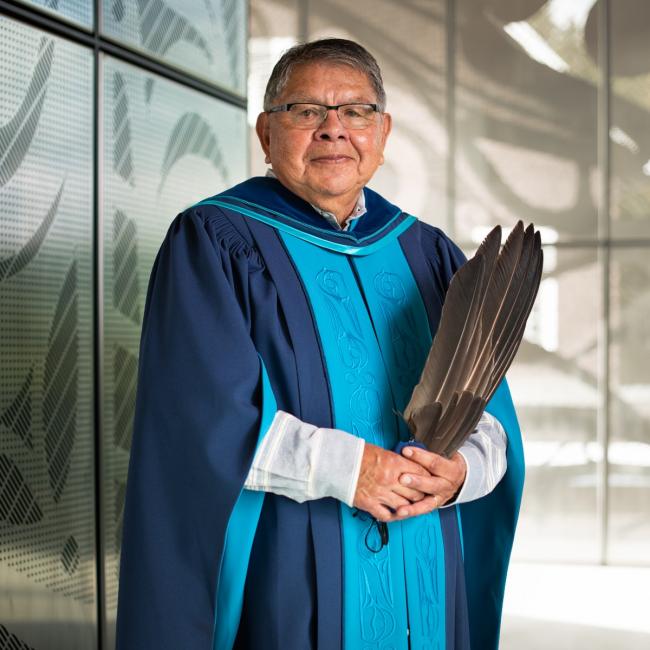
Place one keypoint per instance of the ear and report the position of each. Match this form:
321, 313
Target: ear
262, 130
386, 127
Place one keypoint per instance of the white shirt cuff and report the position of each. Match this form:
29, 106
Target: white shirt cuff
304, 462
484, 453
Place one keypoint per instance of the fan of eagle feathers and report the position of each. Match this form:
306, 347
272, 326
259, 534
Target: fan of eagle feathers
481, 326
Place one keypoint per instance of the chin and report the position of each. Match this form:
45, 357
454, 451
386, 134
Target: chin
334, 186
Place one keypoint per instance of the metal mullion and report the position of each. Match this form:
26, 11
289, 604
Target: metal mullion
303, 20
604, 234
98, 347
140, 59
450, 24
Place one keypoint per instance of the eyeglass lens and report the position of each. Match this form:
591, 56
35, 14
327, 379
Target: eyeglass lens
352, 116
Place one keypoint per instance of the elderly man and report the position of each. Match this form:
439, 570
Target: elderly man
287, 322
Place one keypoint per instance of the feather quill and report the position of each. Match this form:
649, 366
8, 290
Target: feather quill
481, 327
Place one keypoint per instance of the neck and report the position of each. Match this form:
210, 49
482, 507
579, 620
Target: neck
341, 209
341, 206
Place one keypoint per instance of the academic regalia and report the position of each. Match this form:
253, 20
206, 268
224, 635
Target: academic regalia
255, 304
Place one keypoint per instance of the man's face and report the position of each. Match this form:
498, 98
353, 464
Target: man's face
330, 160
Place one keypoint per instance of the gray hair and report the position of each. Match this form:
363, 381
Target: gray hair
333, 50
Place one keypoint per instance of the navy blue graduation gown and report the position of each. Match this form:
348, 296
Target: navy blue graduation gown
255, 304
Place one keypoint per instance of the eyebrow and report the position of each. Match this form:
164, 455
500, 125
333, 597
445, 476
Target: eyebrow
312, 100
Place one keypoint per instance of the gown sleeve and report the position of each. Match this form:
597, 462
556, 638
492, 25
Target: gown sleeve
488, 524
197, 422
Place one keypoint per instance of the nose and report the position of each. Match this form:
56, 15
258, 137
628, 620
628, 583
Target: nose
331, 128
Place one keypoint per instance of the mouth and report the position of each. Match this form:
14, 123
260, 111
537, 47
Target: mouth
333, 159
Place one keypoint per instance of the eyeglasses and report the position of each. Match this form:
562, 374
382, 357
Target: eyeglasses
311, 116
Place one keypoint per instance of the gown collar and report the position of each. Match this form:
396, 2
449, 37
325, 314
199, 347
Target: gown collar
268, 200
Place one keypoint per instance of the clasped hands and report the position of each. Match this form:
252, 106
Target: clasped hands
392, 487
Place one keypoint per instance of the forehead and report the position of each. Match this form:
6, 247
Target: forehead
322, 80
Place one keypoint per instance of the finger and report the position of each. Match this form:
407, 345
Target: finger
384, 513
408, 492
428, 485
393, 501
433, 463
428, 504
379, 512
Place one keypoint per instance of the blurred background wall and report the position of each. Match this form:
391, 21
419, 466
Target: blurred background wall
116, 115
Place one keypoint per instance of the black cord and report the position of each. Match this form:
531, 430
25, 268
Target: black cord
382, 530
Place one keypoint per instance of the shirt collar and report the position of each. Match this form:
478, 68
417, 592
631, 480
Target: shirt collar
359, 209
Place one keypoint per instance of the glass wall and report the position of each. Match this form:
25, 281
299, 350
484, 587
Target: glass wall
164, 148
79, 12
629, 452
92, 171
47, 502
534, 110
527, 98
206, 39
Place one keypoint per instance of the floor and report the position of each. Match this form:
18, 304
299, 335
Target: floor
568, 607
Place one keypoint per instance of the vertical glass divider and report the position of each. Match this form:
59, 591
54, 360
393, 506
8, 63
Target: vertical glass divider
98, 346
450, 18
303, 20
604, 160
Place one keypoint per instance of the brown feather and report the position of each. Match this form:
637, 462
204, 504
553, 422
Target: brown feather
481, 326
457, 323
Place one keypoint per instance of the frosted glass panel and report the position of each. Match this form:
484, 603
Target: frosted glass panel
207, 39
526, 117
555, 387
75, 11
47, 482
630, 128
274, 29
165, 147
629, 450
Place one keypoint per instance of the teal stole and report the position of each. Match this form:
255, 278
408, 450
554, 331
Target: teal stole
374, 356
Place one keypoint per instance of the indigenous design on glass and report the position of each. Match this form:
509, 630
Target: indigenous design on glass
126, 295
17, 503
126, 376
205, 38
159, 158
17, 134
47, 507
78, 11
8, 640
161, 27
233, 15
193, 135
60, 378
122, 156
70, 555
14, 263
18, 417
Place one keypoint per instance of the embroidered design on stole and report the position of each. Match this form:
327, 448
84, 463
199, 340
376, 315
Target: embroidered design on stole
408, 357
401, 324
377, 600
